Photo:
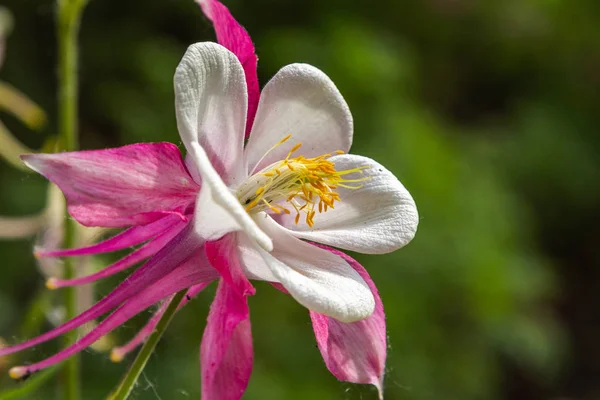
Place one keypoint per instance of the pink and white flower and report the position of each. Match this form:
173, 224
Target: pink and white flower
237, 213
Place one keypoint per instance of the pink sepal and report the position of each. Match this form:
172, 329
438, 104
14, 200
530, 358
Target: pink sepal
222, 255
233, 36
226, 353
124, 186
354, 352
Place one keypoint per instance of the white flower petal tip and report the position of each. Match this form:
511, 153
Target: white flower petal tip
210, 103
218, 211
29, 161
378, 216
318, 279
300, 100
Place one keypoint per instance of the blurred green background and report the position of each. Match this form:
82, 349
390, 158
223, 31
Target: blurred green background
488, 111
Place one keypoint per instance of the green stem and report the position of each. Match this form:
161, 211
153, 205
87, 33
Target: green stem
68, 21
70, 375
67, 24
128, 382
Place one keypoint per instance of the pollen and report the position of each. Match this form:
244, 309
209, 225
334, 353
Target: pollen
297, 184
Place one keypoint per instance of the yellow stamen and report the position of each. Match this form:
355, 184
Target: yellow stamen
296, 147
282, 141
274, 209
285, 139
307, 184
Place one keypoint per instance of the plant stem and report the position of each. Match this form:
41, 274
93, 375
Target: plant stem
70, 375
67, 28
68, 21
140, 361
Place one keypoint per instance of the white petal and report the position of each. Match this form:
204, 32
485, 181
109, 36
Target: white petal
218, 211
302, 101
190, 164
212, 221
210, 102
380, 217
253, 263
318, 279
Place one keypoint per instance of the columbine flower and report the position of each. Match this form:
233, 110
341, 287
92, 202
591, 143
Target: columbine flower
236, 213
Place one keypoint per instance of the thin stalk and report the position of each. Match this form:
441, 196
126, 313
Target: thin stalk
68, 22
70, 375
67, 28
129, 380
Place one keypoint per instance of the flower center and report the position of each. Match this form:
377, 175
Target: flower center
299, 184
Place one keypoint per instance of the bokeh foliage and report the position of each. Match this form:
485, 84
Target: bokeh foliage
486, 110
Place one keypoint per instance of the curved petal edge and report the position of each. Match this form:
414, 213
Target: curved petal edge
354, 352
